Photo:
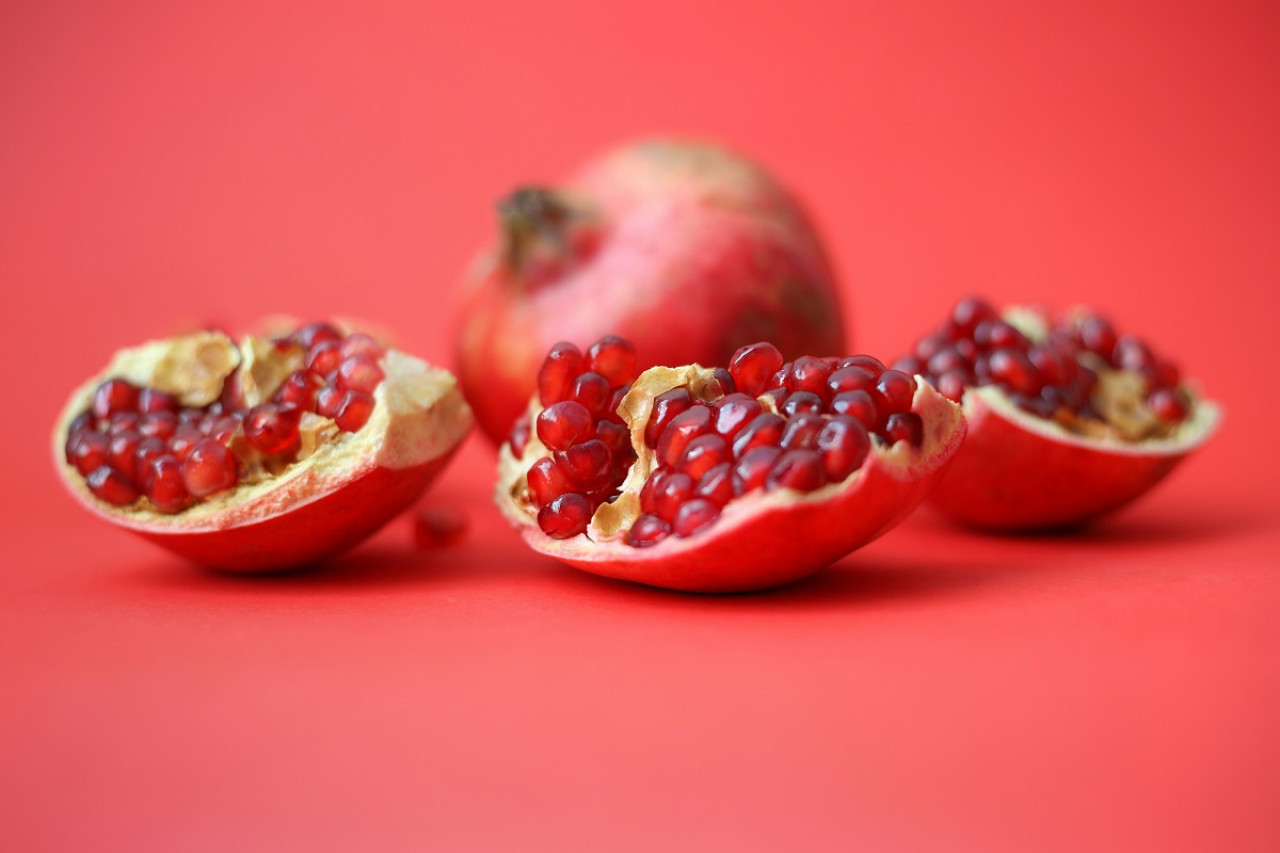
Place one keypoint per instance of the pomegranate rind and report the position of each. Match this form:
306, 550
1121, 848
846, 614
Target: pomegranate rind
1016, 471
347, 488
761, 540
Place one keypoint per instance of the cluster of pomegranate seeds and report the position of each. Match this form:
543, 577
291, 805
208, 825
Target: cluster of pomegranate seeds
579, 423
140, 442
762, 423
1054, 377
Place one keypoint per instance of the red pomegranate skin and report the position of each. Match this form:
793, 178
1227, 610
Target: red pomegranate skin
688, 250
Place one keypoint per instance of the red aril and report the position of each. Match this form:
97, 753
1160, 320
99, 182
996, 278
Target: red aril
720, 490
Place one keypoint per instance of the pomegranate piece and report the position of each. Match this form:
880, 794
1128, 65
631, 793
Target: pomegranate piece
718, 489
1069, 419
246, 457
438, 527
619, 252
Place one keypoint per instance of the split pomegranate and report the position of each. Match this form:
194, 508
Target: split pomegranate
686, 249
719, 479
1068, 418
266, 454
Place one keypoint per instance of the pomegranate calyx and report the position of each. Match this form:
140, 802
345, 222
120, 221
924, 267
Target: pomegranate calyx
534, 220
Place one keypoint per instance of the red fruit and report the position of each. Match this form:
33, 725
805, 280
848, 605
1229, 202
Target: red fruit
687, 250
1068, 420
245, 481
438, 527
695, 510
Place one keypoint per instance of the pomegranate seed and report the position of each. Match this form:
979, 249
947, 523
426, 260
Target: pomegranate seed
614, 358
866, 362
328, 400
1169, 404
113, 396
616, 438
671, 491
184, 438
702, 454
694, 516
651, 488
809, 374
558, 370
232, 397
1013, 370
666, 406
952, 384
358, 343
904, 426
802, 431
615, 402
593, 391
682, 429
844, 444
562, 425
753, 365
438, 527
894, 392
765, 429
945, 360
1038, 405
1130, 353
151, 400
164, 485
520, 432
851, 379
209, 468
647, 530
121, 455
547, 481
799, 469
147, 450
930, 345
1161, 374
588, 464
753, 468
315, 333
158, 424
716, 485
359, 373
272, 427
719, 385
221, 427
968, 312
733, 412
996, 334
909, 365
112, 486
354, 409
89, 451
1097, 336
858, 404
324, 358
567, 515
802, 403
300, 389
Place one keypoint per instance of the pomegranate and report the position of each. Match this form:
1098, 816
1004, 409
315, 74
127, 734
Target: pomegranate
686, 249
1068, 418
719, 479
266, 454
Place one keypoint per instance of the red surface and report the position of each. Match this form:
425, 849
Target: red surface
161, 165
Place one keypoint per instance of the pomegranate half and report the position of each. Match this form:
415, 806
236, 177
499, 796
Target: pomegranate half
260, 455
686, 249
719, 480
1068, 419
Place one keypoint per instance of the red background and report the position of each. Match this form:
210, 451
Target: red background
162, 165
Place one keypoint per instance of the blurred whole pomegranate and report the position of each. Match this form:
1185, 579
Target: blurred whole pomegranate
687, 249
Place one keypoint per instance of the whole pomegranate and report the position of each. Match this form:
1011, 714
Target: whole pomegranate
719, 479
686, 249
1069, 418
